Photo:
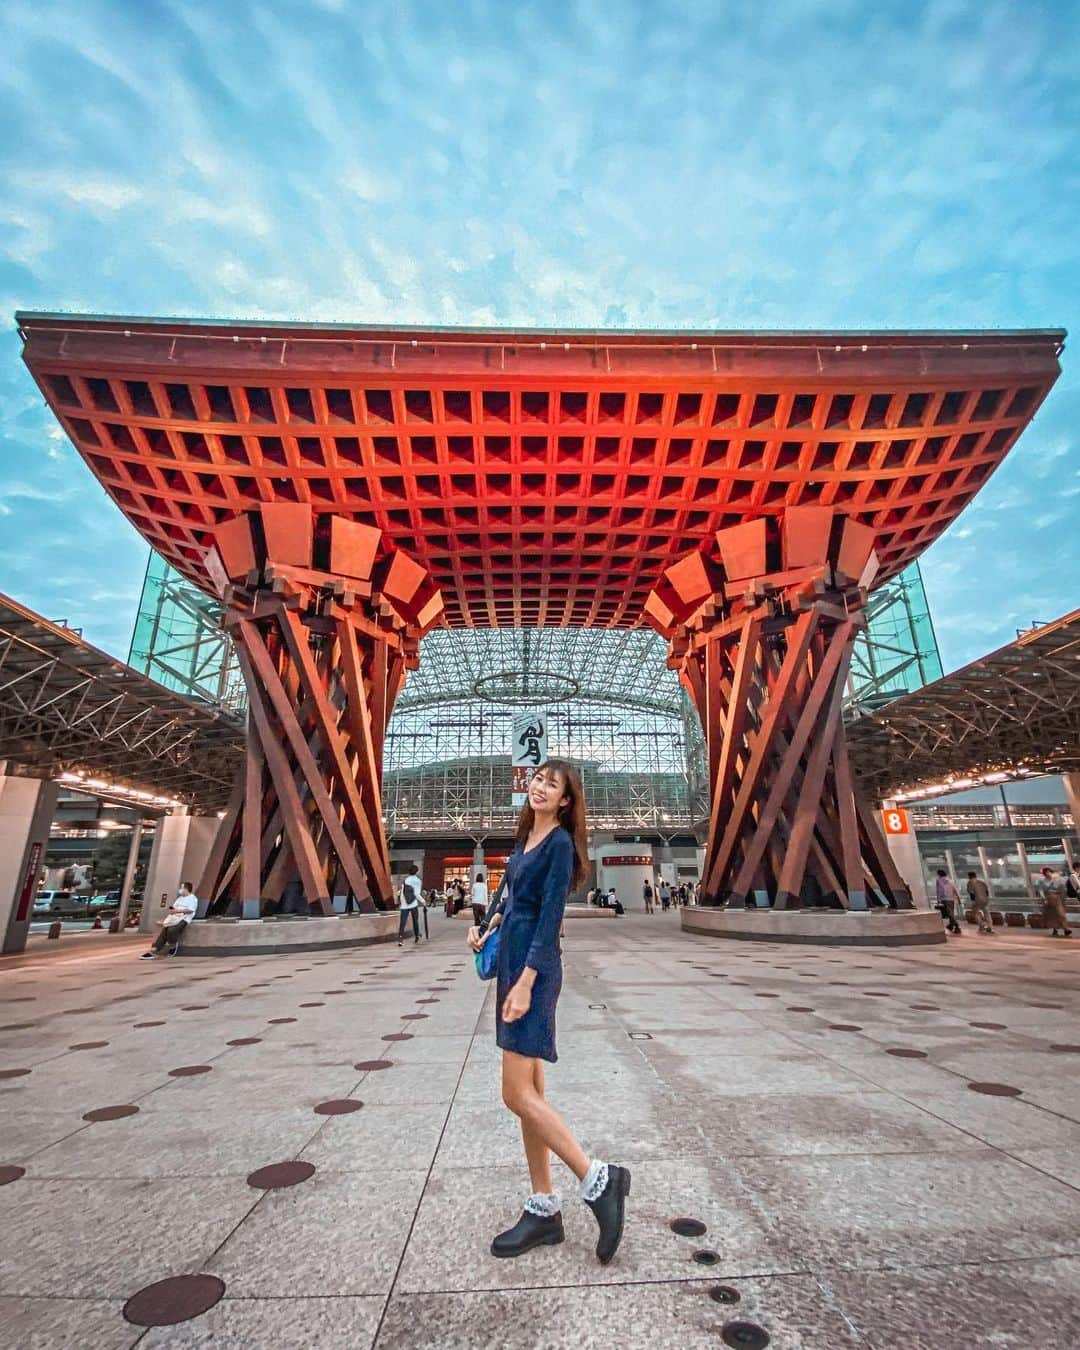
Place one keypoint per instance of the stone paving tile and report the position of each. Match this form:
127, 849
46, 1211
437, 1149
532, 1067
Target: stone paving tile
794, 1311
926, 1208
374, 1137
195, 1145
339, 1229
106, 1238
65, 1324
337, 1323
1011, 1306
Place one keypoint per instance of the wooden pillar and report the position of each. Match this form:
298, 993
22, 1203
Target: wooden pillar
761, 625
326, 624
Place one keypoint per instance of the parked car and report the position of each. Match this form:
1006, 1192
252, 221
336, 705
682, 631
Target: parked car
106, 900
50, 902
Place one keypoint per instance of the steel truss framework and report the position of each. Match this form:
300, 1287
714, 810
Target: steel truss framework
65, 706
446, 766
550, 480
1018, 707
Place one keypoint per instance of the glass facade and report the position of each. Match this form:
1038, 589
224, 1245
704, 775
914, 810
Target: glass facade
448, 768
899, 651
179, 641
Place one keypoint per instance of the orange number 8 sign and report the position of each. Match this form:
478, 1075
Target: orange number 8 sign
896, 821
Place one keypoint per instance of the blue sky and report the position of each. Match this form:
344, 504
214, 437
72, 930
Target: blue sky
666, 164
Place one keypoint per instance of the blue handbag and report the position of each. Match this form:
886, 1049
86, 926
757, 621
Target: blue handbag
487, 958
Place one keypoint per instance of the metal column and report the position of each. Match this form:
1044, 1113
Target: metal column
129, 875
1021, 852
984, 867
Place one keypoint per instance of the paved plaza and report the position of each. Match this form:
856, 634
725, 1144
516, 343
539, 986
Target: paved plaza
882, 1147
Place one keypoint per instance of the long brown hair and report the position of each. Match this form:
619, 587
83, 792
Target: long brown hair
571, 816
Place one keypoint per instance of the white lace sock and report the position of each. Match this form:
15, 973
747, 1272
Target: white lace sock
545, 1206
595, 1179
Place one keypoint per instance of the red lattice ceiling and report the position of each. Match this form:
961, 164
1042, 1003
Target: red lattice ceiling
545, 479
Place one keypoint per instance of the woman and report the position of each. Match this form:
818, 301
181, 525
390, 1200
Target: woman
549, 859
479, 899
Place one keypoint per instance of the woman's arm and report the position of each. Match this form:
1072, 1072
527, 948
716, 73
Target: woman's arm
543, 949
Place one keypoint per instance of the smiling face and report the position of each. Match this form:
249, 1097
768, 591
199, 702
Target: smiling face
547, 792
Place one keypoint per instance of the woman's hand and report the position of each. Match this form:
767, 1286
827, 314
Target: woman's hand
475, 940
517, 1002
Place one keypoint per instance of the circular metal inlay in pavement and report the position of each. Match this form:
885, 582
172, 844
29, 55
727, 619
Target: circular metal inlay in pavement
13, 1073
313, 1005
903, 1052
397, 1036
1066, 1049
724, 1293
276, 1175
371, 1065
149, 1024
88, 1045
995, 1089
245, 1040
279, 1021
9, 1173
688, 1227
178, 1299
112, 1112
798, 1008
745, 1335
343, 1106
844, 1026
190, 1070
989, 1026
926, 1007
705, 1257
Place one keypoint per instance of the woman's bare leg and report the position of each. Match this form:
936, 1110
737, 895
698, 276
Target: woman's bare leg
545, 1126
537, 1152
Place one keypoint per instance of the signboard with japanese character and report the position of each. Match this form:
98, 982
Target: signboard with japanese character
527, 752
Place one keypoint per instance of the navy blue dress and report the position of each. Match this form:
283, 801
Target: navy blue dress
537, 884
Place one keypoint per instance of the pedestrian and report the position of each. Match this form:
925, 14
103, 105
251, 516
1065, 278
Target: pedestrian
410, 904
550, 858
948, 900
665, 895
173, 926
479, 898
1053, 890
647, 892
979, 895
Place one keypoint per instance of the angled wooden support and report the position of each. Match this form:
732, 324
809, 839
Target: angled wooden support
761, 628
323, 654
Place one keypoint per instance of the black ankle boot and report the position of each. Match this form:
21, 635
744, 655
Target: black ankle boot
531, 1230
610, 1210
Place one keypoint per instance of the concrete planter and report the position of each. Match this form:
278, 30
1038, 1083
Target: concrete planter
828, 928
270, 937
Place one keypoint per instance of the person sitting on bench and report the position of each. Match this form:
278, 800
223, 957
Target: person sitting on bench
173, 925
